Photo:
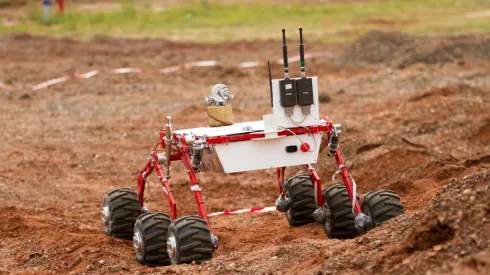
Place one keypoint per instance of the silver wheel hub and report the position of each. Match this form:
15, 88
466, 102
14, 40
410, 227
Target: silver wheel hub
172, 248
137, 242
106, 219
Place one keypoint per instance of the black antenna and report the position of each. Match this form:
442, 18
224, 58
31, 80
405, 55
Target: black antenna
301, 53
285, 54
270, 82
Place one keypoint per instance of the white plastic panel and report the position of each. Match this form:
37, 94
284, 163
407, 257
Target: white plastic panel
312, 119
236, 128
260, 154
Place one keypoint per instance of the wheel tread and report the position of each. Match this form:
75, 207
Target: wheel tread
299, 188
382, 205
193, 239
342, 219
154, 228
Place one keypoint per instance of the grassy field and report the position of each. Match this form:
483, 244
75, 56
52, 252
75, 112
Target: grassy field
257, 20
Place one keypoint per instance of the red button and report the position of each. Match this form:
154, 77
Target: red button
305, 147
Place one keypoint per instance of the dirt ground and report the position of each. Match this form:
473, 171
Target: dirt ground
416, 120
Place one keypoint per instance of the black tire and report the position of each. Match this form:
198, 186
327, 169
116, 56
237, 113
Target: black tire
381, 206
299, 189
120, 209
189, 240
340, 224
150, 239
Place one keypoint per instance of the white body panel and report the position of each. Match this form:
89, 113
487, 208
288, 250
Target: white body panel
260, 154
312, 119
236, 128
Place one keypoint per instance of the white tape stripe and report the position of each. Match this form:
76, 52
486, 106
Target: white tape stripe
208, 63
49, 83
247, 210
126, 70
215, 214
170, 69
267, 209
87, 75
249, 64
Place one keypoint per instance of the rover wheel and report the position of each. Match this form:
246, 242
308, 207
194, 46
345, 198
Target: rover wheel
340, 223
299, 189
150, 239
189, 240
120, 209
381, 206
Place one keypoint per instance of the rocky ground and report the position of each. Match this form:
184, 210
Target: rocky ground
416, 120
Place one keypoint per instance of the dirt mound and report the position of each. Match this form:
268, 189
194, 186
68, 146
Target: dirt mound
459, 89
378, 47
401, 50
448, 50
456, 225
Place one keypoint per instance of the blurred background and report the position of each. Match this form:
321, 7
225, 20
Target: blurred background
230, 20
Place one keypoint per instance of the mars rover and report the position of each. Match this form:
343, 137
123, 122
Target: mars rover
289, 136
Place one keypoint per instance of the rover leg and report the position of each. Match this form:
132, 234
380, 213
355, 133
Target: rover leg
196, 189
142, 177
348, 182
283, 203
153, 164
362, 221
321, 213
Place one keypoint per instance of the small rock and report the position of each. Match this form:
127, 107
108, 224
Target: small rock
101, 262
25, 96
460, 215
406, 261
437, 247
467, 191
274, 258
453, 181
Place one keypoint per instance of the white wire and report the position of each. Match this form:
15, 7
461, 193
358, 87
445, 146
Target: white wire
314, 140
354, 194
296, 123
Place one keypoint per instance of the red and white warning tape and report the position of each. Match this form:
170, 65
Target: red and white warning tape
206, 63
50, 82
241, 211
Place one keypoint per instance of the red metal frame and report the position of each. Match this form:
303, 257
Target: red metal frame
182, 153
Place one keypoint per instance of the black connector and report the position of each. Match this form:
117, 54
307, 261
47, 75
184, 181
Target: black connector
291, 149
287, 88
304, 88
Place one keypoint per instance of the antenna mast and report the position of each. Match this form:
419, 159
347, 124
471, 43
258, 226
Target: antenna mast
302, 53
285, 54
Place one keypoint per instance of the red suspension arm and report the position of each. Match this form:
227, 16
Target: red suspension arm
143, 176
186, 159
346, 178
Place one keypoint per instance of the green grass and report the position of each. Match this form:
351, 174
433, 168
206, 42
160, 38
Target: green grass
261, 21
